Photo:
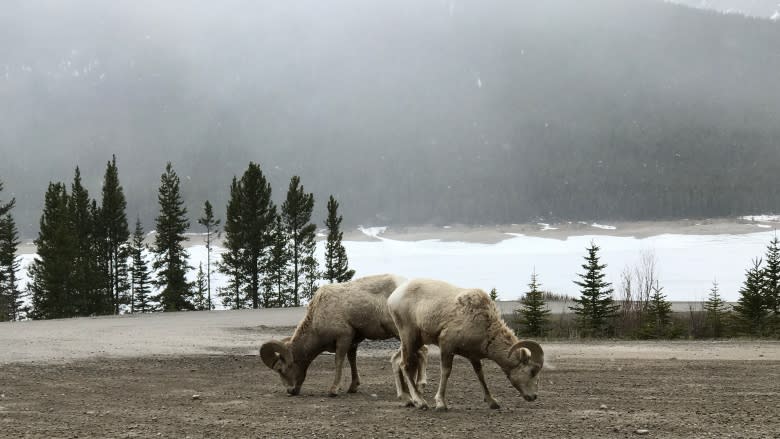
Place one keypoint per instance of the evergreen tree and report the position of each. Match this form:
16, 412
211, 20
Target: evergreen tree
51, 285
595, 309
140, 278
231, 264
715, 309
772, 281
296, 216
89, 284
533, 314
311, 276
211, 224
751, 308
170, 256
256, 222
277, 279
114, 232
10, 295
494, 294
658, 314
336, 264
200, 300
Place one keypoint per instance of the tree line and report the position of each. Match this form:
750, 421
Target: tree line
88, 262
642, 310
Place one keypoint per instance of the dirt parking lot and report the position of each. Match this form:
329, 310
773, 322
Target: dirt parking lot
604, 389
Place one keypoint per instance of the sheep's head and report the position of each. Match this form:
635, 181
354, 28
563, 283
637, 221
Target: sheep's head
527, 361
277, 356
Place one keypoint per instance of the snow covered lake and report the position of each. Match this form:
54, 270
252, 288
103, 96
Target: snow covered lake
687, 264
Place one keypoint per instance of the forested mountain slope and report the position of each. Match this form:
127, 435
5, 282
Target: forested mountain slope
409, 112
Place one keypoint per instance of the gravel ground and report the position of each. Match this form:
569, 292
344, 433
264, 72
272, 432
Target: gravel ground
197, 375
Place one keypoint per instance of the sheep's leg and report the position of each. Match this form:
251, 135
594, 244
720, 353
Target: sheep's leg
342, 346
446, 369
401, 390
422, 371
352, 357
409, 370
477, 365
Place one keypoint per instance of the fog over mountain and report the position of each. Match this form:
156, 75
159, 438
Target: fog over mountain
408, 111
755, 8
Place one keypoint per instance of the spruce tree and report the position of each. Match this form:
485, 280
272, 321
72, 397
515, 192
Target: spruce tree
493, 294
715, 309
140, 278
772, 281
751, 308
277, 289
336, 263
231, 264
10, 295
533, 314
51, 272
658, 314
170, 256
199, 299
296, 216
256, 222
211, 224
114, 232
595, 309
89, 284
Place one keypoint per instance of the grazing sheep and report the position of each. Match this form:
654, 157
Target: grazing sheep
339, 317
462, 322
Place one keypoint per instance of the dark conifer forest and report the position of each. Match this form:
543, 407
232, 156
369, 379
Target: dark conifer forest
409, 112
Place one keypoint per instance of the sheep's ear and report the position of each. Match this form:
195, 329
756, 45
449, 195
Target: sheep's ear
275, 355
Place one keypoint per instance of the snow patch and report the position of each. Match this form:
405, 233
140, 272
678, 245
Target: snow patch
775, 16
764, 226
372, 232
603, 227
546, 226
762, 218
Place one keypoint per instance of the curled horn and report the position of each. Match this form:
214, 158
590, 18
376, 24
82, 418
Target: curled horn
269, 350
537, 354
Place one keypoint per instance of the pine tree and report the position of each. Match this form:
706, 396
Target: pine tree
51, 272
595, 308
231, 264
140, 278
493, 294
256, 222
715, 309
199, 299
751, 308
296, 216
170, 256
114, 232
336, 264
89, 285
10, 295
276, 292
771, 275
533, 314
659, 312
211, 224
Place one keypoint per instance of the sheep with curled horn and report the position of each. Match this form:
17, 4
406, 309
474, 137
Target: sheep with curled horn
338, 318
463, 322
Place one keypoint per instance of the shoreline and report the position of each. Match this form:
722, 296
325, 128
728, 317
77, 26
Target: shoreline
493, 234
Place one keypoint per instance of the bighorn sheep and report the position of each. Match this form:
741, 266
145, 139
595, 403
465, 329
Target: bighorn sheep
461, 322
339, 317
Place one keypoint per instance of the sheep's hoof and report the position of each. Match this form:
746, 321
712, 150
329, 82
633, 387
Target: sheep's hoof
441, 408
333, 394
352, 389
422, 406
494, 405
408, 404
